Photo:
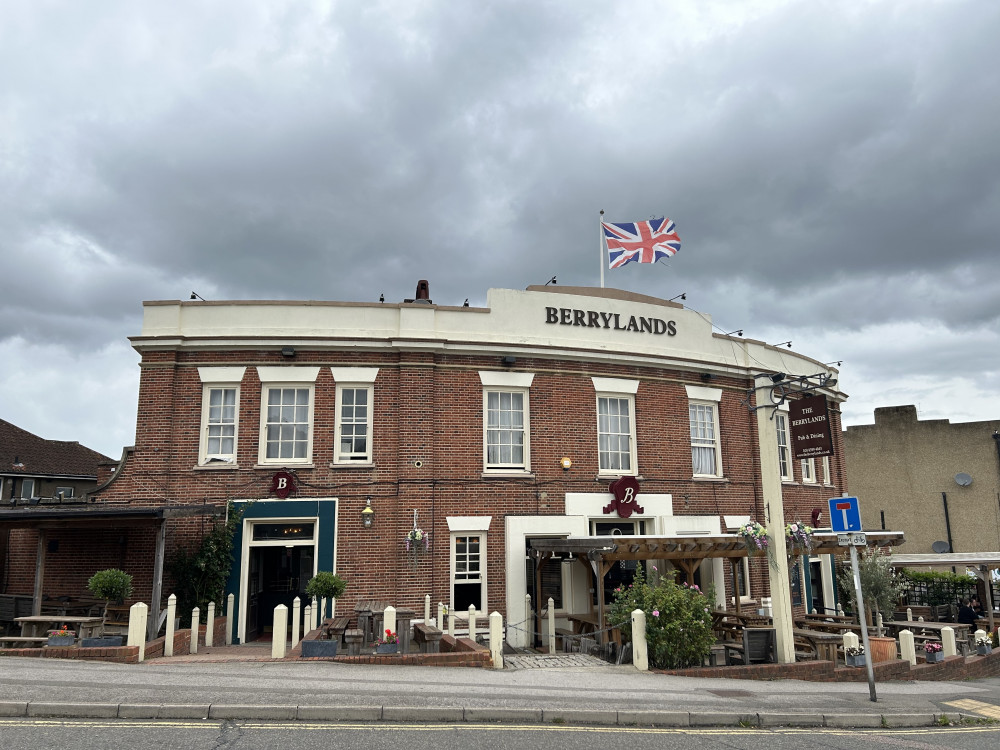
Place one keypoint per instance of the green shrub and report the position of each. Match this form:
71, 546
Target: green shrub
678, 620
326, 585
880, 585
111, 585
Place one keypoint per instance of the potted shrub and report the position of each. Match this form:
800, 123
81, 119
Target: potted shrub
387, 644
933, 652
855, 656
62, 636
324, 585
111, 585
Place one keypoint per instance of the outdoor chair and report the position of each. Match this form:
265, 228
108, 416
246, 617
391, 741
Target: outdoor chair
758, 647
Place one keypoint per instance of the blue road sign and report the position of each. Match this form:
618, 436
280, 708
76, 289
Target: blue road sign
845, 515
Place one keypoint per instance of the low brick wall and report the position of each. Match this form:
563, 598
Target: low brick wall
455, 652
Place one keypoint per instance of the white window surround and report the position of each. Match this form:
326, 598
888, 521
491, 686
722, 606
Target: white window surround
287, 374
469, 523
622, 389
221, 374
703, 413
357, 379
286, 378
784, 447
827, 477
513, 383
701, 393
616, 385
220, 422
468, 576
808, 471
28, 489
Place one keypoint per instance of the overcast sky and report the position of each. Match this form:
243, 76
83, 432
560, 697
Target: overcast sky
833, 169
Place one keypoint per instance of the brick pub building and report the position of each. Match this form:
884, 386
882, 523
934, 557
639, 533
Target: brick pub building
486, 428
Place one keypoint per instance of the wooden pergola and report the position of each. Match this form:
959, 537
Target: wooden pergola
687, 552
980, 563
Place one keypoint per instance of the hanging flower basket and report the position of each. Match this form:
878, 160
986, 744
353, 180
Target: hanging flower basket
798, 538
416, 542
755, 538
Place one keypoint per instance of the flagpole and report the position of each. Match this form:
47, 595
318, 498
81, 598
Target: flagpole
600, 244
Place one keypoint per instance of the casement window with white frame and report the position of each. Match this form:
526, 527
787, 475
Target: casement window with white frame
826, 471
616, 426
355, 397
506, 433
220, 403
784, 451
286, 417
809, 471
468, 556
703, 414
28, 489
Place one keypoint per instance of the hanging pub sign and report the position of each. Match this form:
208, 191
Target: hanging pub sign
625, 490
282, 484
810, 427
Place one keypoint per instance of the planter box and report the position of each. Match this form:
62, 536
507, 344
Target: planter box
934, 657
311, 649
104, 641
387, 648
882, 648
984, 650
61, 640
857, 660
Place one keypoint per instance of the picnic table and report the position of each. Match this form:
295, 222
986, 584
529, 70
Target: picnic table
824, 645
828, 627
36, 626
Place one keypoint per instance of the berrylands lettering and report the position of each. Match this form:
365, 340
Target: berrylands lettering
565, 316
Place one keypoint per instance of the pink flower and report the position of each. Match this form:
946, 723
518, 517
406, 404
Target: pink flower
656, 613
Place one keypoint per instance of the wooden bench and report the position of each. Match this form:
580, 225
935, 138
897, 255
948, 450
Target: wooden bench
566, 639
15, 640
334, 628
427, 637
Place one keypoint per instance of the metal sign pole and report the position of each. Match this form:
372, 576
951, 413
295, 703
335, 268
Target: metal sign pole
864, 626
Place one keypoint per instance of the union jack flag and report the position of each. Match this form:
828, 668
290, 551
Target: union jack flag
640, 241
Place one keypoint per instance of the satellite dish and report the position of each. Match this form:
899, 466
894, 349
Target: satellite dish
940, 547
963, 479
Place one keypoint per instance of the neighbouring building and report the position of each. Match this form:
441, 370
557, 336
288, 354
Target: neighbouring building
338, 429
936, 481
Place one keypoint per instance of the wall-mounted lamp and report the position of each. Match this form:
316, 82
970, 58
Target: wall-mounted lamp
679, 296
777, 377
707, 377
508, 361
288, 351
565, 462
195, 295
368, 514
785, 343
738, 332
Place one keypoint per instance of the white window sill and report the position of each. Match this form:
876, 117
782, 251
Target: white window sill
285, 465
507, 474
353, 465
217, 466
602, 475
719, 480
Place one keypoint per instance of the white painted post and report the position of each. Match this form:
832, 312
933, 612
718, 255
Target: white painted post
948, 645
451, 623
307, 619
440, 616
195, 622
850, 641
529, 619
168, 639
840, 610
978, 636
296, 614
210, 626
496, 639
907, 650
640, 654
322, 610
551, 623
389, 620
230, 604
920, 619
138, 613
279, 632
909, 614
427, 609
315, 617
472, 622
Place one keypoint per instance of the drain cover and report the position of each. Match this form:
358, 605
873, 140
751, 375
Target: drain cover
731, 693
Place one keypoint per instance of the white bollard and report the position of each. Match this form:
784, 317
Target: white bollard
920, 619
496, 639
451, 624
389, 621
440, 616
279, 632
307, 619
840, 611
551, 625
296, 614
138, 613
210, 626
640, 654
195, 622
529, 619
850, 641
427, 608
230, 604
909, 614
907, 650
948, 645
315, 615
472, 622
168, 640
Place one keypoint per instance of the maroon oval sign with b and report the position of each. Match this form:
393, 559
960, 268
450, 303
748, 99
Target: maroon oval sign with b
282, 484
625, 491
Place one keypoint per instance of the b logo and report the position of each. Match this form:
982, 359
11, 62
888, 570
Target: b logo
625, 490
282, 484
